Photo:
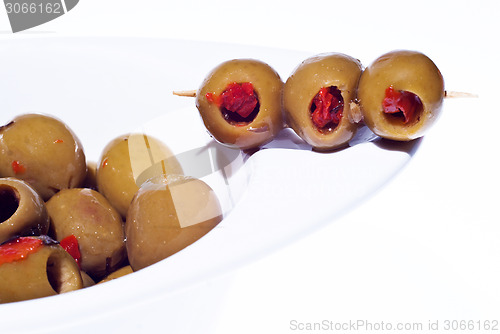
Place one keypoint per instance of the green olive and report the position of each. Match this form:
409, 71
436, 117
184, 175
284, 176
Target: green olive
167, 214
227, 122
22, 210
305, 100
86, 279
43, 151
124, 159
91, 178
407, 73
117, 274
97, 226
49, 270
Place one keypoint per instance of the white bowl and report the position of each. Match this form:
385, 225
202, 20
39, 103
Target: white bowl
102, 88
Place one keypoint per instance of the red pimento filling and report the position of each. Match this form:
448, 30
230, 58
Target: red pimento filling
238, 102
327, 107
401, 103
18, 167
70, 245
19, 249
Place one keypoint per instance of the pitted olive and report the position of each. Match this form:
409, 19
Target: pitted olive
401, 94
168, 214
97, 226
124, 159
22, 210
240, 103
117, 274
317, 100
43, 151
34, 267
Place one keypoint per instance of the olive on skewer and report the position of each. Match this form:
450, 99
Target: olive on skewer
317, 100
401, 94
240, 103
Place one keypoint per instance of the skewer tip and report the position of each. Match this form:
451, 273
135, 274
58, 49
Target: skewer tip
452, 94
186, 93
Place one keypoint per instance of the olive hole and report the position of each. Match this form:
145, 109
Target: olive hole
9, 202
61, 272
55, 273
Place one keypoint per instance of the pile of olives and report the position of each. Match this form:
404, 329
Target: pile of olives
244, 103
66, 223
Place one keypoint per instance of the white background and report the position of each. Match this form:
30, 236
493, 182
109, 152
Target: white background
424, 248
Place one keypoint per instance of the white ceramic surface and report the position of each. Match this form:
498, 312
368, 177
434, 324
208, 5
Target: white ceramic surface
103, 87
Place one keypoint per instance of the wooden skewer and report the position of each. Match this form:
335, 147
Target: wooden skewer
186, 93
452, 94
447, 94
355, 114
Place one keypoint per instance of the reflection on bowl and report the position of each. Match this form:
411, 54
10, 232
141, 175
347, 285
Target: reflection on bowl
221, 167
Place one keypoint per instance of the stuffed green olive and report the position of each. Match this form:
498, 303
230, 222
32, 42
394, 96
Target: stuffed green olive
317, 100
240, 103
44, 152
34, 267
401, 94
168, 214
22, 210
